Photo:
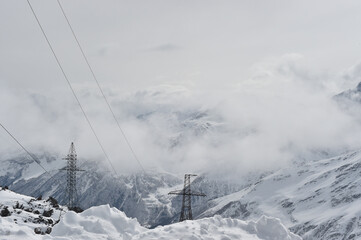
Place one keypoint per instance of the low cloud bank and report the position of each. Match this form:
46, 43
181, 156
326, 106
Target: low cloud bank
285, 112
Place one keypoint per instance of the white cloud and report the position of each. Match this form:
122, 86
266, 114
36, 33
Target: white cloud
166, 47
278, 118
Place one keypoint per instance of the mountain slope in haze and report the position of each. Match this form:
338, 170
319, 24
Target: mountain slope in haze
349, 101
142, 195
317, 199
351, 95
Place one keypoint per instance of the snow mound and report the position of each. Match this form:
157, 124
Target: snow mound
103, 222
24, 216
266, 228
272, 229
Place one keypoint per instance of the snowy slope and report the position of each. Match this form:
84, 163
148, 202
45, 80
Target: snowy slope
349, 101
317, 200
143, 195
350, 95
109, 223
22, 215
104, 222
266, 228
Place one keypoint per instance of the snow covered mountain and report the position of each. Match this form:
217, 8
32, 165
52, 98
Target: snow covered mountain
143, 195
350, 101
317, 199
351, 95
31, 219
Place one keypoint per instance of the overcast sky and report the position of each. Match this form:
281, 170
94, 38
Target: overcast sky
135, 44
213, 48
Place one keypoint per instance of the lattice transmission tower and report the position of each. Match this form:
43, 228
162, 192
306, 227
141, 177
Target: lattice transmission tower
71, 169
186, 212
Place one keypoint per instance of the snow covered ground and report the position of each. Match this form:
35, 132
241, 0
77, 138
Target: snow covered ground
21, 216
104, 222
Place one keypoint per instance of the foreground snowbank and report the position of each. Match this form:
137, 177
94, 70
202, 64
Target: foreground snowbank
222, 228
103, 222
24, 214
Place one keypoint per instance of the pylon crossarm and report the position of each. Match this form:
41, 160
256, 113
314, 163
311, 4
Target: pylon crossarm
77, 169
177, 192
196, 194
186, 212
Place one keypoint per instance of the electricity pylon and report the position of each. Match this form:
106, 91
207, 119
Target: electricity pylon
71, 170
186, 212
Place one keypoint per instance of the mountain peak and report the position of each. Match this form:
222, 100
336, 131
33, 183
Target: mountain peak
358, 88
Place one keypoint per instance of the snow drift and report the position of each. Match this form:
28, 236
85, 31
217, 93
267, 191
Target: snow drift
104, 222
22, 216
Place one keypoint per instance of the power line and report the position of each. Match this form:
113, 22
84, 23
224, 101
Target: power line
100, 89
71, 87
31, 155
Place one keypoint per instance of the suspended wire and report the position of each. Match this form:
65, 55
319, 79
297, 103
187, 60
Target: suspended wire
100, 89
70, 86
31, 155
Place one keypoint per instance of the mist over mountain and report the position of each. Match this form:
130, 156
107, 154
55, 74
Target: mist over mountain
316, 199
179, 129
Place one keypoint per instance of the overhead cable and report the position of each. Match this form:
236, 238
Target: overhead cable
30, 154
99, 87
70, 86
